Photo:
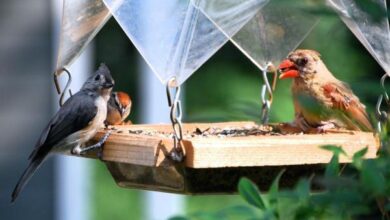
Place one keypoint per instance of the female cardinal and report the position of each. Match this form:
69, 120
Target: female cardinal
118, 108
320, 100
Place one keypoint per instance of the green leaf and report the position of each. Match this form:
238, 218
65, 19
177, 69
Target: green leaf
268, 215
239, 211
205, 216
304, 212
179, 218
274, 189
333, 167
335, 149
249, 191
303, 188
357, 158
360, 154
372, 178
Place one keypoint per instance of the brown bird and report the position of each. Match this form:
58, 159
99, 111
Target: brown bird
118, 109
320, 100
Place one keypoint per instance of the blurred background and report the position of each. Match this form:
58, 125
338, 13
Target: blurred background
226, 88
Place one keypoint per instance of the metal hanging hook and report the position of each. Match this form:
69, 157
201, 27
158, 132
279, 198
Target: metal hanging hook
386, 96
267, 88
381, 115
175, 117
57, 84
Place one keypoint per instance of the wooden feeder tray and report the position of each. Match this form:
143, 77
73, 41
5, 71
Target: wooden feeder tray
218, 154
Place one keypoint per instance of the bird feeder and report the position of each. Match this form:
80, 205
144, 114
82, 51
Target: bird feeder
215, 155
218, 154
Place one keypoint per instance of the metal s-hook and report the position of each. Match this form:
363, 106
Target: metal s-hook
57, 84
382, 116
383, 79
175, 117
267, 88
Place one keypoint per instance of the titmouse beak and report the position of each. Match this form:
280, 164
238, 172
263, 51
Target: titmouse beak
288, 69
108, 85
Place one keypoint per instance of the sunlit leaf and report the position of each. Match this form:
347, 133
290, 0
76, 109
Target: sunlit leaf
249, 191
335, 149
360, 154
333, 167
357, 158
274, 189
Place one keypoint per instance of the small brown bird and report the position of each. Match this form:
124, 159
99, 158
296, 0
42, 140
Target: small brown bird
320, 100
118, 109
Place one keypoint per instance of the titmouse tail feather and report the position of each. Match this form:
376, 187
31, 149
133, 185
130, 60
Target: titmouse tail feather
27, 174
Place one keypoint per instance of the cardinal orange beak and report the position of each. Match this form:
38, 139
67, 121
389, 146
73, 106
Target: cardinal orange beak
288, 69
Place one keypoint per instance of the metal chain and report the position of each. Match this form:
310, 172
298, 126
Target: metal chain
175, 116
381, 115
267, 89
57, 84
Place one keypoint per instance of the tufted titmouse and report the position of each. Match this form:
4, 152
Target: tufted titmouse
75, 123
118, 108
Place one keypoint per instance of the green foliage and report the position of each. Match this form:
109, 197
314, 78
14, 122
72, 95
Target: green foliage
357, 158
274, 189
333, 167
358, 191
335, 149
210, 203
112, 202
233, 212
250, 193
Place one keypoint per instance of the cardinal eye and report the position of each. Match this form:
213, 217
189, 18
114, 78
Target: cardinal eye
302, 61
97, 78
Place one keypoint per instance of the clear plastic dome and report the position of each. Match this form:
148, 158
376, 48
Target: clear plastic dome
262, 30
81, 21
173, 36
374, 35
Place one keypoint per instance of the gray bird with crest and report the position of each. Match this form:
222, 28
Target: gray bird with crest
75, 123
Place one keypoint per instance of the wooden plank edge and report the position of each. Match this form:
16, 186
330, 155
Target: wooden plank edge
201, 154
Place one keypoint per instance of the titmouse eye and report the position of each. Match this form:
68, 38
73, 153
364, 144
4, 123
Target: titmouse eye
97, 78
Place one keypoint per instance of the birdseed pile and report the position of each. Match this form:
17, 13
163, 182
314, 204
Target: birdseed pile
242, 131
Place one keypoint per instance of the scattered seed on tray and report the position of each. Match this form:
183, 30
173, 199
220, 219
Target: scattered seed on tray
242, 131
